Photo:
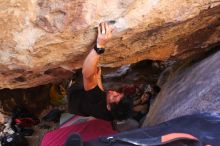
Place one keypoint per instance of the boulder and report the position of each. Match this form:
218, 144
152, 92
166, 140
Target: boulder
43, 41
190, 90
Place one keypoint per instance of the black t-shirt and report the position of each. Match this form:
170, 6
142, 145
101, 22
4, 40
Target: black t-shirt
88, 103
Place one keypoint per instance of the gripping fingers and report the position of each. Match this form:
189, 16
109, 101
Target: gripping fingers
99, 29
104, 34
103, 28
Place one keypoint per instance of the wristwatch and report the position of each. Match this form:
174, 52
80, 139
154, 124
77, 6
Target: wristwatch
99, 50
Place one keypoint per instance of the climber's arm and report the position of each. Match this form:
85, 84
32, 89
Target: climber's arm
90, 70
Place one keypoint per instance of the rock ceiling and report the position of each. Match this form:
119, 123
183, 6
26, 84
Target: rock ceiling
43, 41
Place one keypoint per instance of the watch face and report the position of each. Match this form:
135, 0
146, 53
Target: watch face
99, 50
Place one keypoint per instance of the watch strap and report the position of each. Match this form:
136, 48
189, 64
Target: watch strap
99, 50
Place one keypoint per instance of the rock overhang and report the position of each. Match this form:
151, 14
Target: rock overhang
45, 41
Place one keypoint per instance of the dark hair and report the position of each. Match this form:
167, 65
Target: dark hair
156, 89
123, 109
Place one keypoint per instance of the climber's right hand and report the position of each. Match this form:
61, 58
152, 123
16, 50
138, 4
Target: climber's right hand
104, 34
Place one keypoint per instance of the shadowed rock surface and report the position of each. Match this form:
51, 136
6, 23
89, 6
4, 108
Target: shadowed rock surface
187, 91
42, 41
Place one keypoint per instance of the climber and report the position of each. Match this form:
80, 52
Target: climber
92, 99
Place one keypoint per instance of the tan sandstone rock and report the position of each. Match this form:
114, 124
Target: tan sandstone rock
42, 41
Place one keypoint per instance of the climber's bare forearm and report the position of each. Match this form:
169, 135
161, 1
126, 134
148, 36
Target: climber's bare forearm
90, 64
90, 72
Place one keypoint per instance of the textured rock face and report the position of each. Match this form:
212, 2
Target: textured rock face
42, 41
194, 90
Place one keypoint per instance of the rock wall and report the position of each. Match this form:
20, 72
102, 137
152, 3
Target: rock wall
187, 91
43, 41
